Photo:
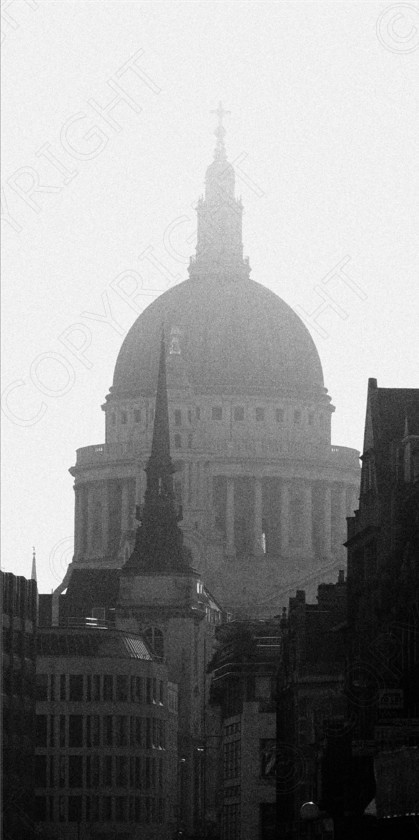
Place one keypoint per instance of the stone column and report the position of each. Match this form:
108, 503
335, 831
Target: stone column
257, 521
285, 518
307, 519
90, 516
327, 520
230, 545
105, 516
125, 507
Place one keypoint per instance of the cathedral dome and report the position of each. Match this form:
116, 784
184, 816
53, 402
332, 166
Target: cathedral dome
234, 337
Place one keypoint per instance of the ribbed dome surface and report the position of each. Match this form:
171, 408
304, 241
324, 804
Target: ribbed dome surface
236, 338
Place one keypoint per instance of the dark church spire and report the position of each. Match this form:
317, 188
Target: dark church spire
219, 248
159, 539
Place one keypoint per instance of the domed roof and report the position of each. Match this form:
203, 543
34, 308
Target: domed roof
235, 338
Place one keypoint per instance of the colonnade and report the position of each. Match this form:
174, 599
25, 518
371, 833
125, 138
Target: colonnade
328, 503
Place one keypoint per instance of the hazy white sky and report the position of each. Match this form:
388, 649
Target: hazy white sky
322, 131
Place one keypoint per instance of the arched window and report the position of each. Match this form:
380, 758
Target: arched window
154, 637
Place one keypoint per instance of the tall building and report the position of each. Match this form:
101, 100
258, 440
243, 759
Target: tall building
264, 493
19, 619
383, 615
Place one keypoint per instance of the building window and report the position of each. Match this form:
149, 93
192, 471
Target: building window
121, 769
76, 687
122, 688
178, 442
75, 731
279, 415
238, 412
260, 413
51, 773
136, 730
62, 731
189, 416
96, 688
137, 415
62, 766
297, 415
217, 412
93, 730
75, 771
178, 417
190, 441
124, 418
51, 731
74, 809
42, 686
108, 730
154, 637
198, 413
136, 693
121, 731
41, 771
41, 730
63, 682
108, 688
107, 770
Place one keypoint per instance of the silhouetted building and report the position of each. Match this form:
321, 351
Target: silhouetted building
19, 607
243, 687
383, 609
311, 707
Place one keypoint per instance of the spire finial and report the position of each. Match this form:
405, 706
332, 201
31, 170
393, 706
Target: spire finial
220, 129
33, 572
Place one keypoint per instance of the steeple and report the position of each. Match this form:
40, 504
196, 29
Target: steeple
33, 571
219, 249
159, 539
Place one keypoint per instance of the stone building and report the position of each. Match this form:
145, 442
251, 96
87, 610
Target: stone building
19, 619
264, 493
105, 752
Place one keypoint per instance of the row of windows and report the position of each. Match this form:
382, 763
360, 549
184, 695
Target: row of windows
90, 809
260, 415
94, 771
99, 688
94, 731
